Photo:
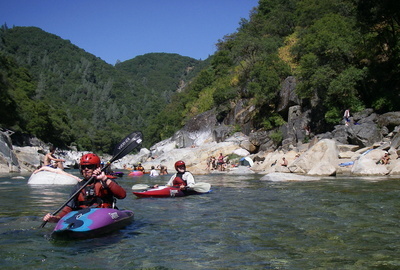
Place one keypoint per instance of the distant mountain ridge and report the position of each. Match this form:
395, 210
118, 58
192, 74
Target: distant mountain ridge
96, 98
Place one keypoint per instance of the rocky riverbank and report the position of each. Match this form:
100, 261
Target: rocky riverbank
347, 150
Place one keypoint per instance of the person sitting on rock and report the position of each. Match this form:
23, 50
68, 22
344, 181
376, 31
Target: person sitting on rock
51, 161
284, 162
385, 159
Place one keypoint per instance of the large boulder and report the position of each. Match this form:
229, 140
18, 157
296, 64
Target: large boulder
390, 120
288, 96
268, 162
395, 142
319, 155
277, 177
262, 140
56, 177
243, 141
197, 130
395, 168
294, 131
366, 166
241, 113
8, 159
29, 157
364, 134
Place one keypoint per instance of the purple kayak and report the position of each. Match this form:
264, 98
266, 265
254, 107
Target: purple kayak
92, 222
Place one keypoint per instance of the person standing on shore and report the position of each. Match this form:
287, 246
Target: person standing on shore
221, 162
346, 117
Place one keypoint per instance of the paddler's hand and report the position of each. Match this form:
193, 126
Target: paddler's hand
182, 187
50, 218
100, 175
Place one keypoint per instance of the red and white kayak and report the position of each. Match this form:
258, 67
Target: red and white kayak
166, 191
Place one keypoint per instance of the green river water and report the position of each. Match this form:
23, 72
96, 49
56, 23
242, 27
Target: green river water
244, 223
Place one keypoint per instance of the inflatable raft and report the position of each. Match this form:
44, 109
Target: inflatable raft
135, 173
91, 222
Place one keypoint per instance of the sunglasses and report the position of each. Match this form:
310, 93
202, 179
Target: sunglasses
89, 167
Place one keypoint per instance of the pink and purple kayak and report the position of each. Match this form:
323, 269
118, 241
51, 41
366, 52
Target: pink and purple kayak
92, 222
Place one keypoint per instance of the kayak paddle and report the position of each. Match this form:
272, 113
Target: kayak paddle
140, 187
126, 146
202, 187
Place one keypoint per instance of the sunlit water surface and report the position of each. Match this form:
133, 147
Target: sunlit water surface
244, 223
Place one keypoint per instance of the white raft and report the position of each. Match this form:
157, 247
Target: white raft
52, 178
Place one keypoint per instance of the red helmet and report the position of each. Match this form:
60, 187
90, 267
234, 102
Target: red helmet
90, 159
179, 164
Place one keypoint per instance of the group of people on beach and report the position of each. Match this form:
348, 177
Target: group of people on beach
219, 163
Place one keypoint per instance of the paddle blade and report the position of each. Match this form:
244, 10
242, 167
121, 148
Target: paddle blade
202, 187
140, 187
127, 145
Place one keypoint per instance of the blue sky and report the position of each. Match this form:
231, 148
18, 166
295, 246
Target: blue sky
122, 29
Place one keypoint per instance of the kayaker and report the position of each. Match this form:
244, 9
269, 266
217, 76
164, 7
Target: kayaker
99, 194
182, 178
140, 167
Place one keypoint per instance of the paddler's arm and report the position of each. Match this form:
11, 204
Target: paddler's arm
190, 180
54, 219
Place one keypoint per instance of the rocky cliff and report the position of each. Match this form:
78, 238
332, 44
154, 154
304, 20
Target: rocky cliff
355, 149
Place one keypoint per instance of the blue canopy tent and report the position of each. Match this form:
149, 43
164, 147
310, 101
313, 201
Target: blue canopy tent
246, 161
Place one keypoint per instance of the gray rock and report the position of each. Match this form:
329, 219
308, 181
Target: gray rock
288, 177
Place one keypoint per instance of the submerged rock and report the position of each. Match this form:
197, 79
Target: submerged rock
288, 177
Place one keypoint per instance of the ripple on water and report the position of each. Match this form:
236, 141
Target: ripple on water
244, 223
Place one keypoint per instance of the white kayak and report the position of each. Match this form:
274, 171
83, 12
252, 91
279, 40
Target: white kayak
52, 178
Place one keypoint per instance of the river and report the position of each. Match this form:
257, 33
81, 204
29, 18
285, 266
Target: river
244, 223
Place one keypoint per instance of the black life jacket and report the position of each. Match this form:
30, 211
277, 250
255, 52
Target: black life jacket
93, 200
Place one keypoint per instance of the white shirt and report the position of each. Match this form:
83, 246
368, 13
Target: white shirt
154, 173
187, 176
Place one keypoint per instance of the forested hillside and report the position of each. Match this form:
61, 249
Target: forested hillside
344, 55
64, 95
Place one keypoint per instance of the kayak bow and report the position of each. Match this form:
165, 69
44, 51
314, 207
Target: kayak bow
92, 222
